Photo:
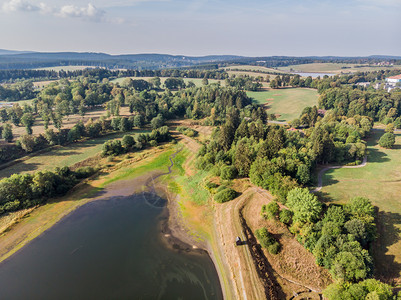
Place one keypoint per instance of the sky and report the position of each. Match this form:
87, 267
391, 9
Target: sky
204, 27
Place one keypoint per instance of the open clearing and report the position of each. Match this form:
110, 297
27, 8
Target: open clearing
286, 102
379, 181
62, 156
335, 68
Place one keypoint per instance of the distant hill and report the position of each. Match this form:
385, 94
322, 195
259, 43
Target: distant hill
11, 52
30, 60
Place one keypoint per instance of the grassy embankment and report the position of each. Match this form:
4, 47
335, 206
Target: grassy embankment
379, 181
61, 156
31, 225
286, 102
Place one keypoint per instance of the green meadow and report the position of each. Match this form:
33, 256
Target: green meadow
288, 103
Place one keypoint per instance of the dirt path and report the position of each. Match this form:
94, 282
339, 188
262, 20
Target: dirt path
245, 280
321, 173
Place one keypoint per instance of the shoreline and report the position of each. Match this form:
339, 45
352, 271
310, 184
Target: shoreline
172, 229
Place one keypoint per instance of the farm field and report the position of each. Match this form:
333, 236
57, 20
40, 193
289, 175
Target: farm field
335, 68
379, 181
62, 156
288, 103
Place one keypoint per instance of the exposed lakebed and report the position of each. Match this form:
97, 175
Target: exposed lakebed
109, 249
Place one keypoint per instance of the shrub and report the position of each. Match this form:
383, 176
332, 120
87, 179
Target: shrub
285, 216
267, 241
225, 195
270, 210
127, 141
84, 172
112, 147
228, 172
221, 188
187, 131
211, 186
153, 143
387, 140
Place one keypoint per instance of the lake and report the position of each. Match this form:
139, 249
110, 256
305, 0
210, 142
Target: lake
109, 249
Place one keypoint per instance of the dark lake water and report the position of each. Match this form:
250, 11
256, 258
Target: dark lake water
108, 249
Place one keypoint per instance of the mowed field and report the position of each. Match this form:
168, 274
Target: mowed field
380, 181
286, 102
61, 156
335, 68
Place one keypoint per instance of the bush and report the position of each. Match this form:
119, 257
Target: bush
270, 210
285, 216
225, 195
267, 241
112, 147
387, 140
153, 143
128, 141
221, 188
187, 131
228, 172
84, 172
211, 186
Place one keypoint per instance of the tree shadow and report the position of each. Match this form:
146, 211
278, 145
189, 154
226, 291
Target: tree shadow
389, 233
377, 156
22, 167
324, 197
328, 178
64, 153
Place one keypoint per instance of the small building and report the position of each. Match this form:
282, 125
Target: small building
364, 84
394, 79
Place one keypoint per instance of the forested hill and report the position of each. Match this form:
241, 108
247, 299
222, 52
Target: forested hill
129, 61
29, 60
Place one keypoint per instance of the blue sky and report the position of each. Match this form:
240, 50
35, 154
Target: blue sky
202, 27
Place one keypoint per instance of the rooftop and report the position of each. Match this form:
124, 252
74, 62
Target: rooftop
395, 77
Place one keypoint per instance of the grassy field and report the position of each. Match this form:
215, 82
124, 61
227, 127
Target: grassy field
287, 102
252, 68
61, 156
380, 182
335, 68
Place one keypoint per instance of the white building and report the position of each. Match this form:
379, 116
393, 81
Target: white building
394, 79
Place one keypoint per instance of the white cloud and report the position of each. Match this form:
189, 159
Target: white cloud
87, 13
19, 5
